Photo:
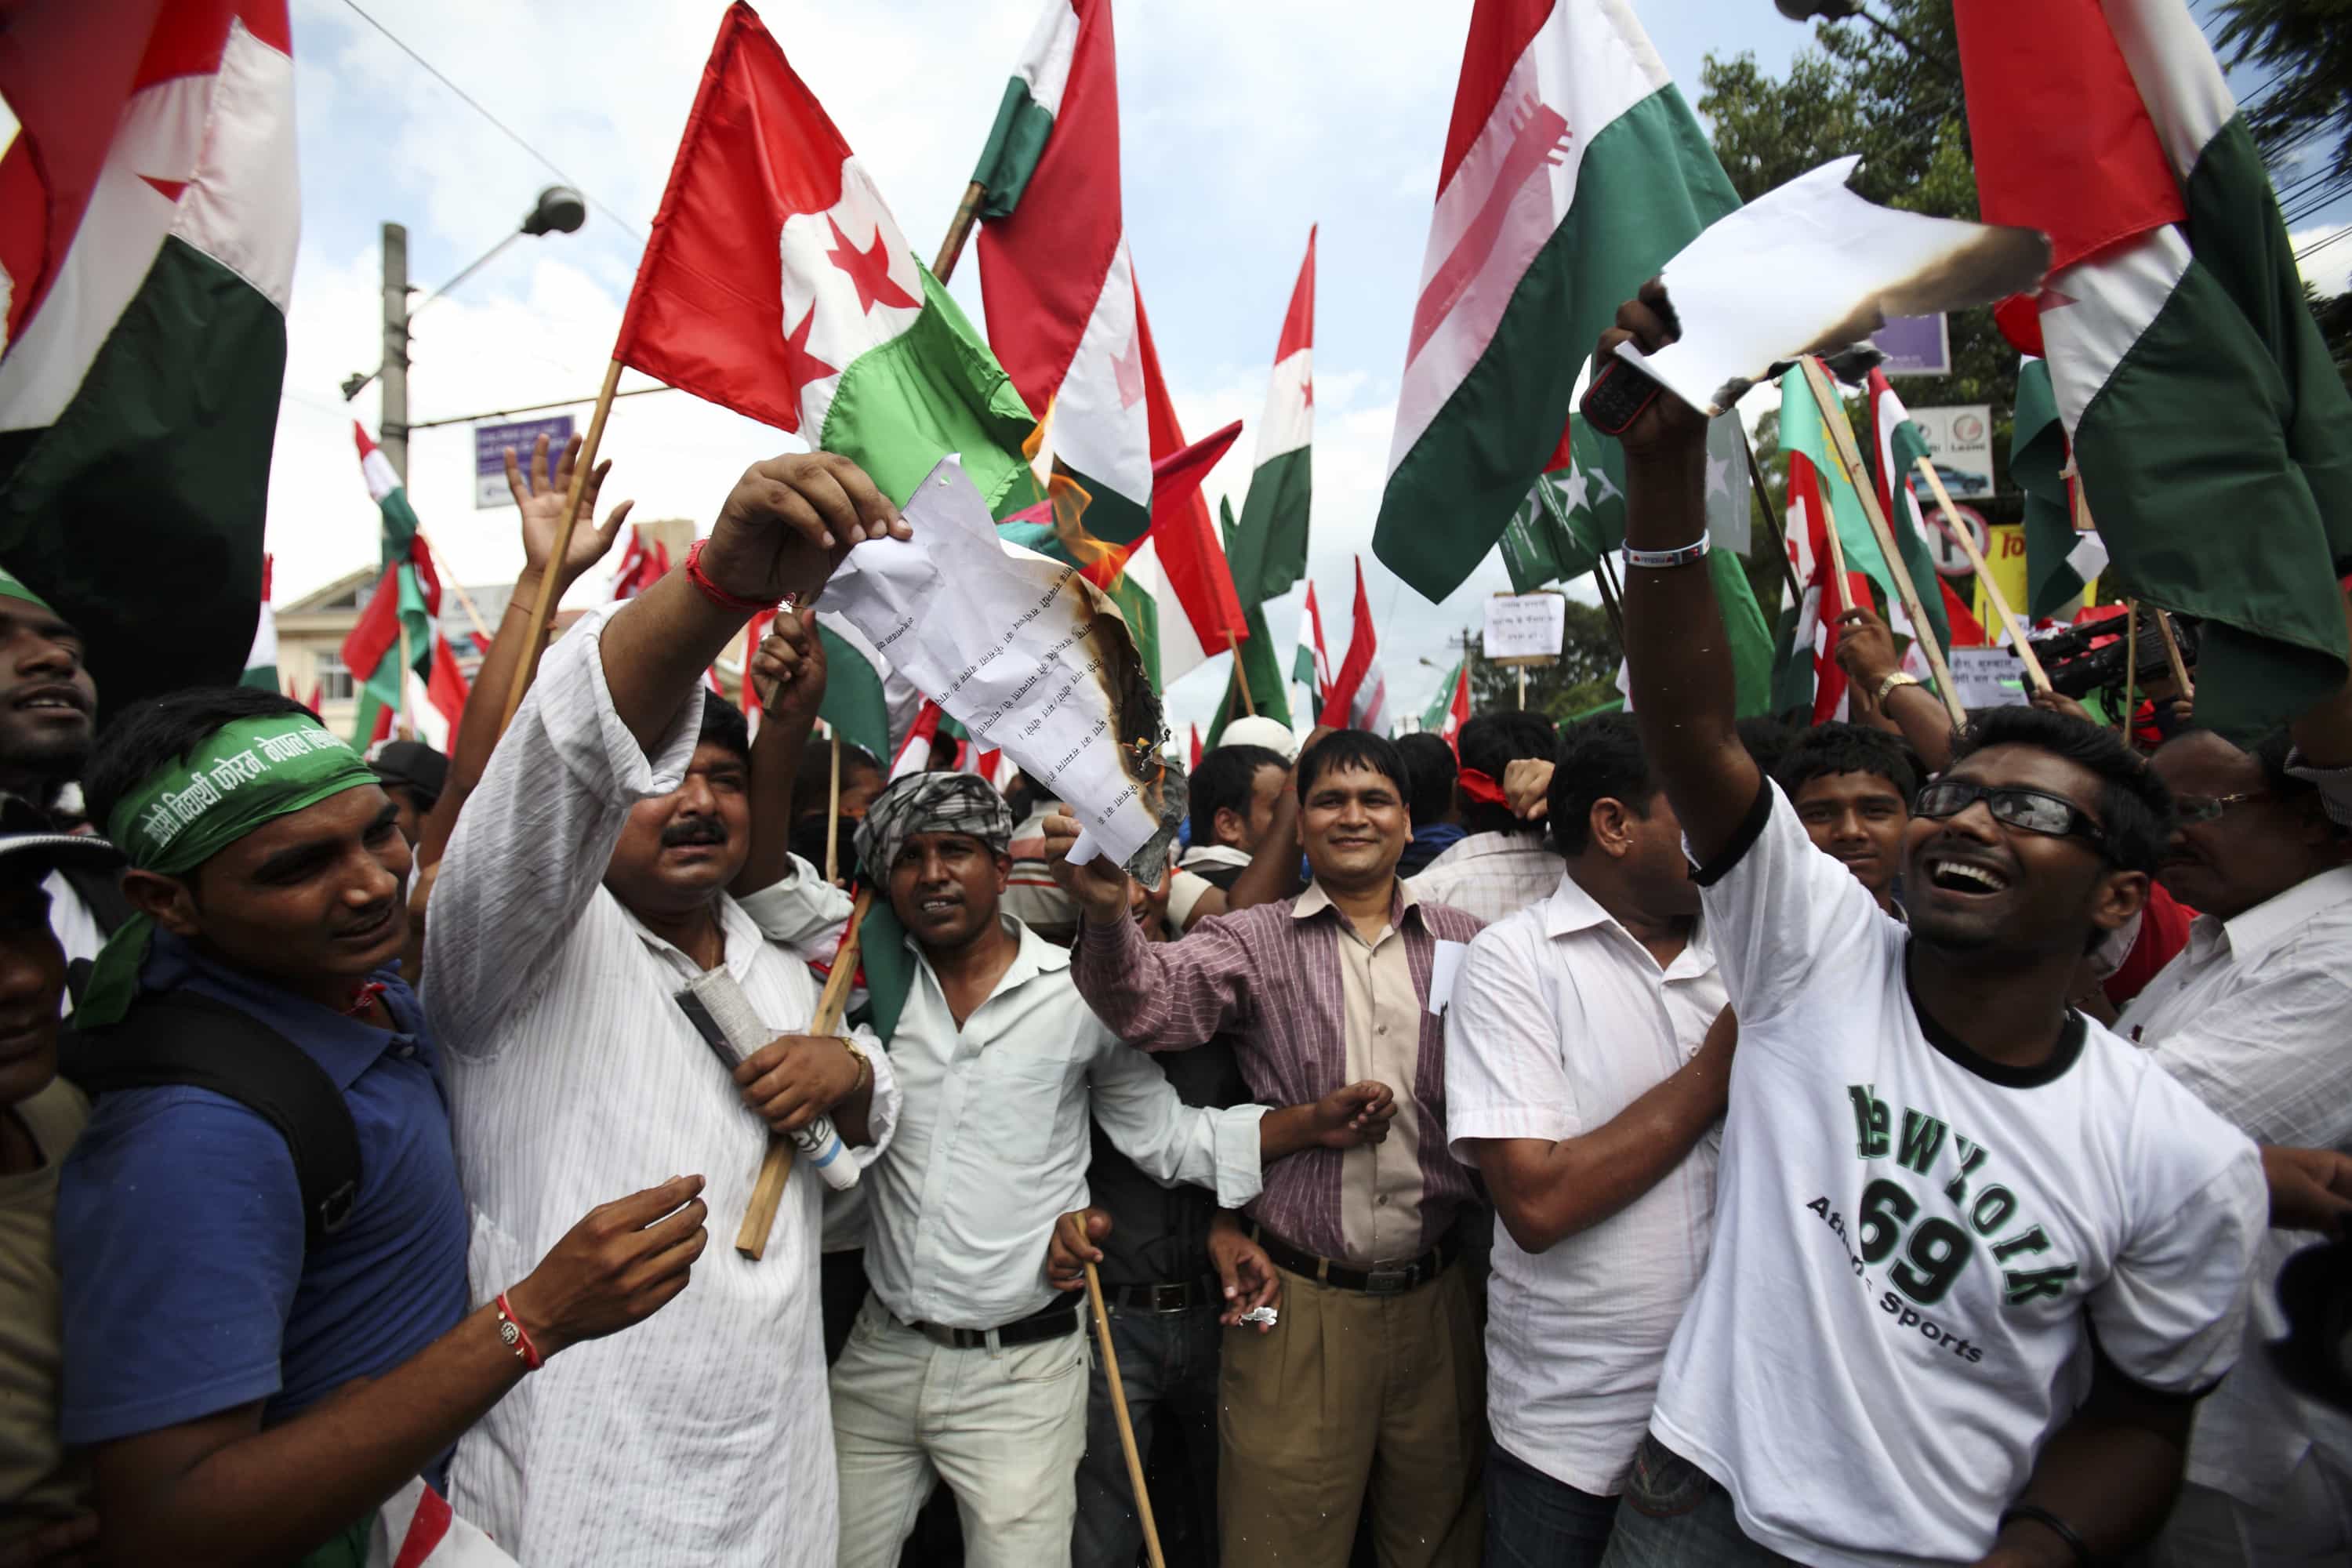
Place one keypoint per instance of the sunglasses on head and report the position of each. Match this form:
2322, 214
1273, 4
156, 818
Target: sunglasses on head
2035, 811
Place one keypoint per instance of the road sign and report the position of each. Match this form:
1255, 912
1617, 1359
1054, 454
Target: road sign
1951, 561
491, 442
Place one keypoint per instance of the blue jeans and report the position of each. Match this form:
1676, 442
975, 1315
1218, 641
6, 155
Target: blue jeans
1536, 1521
1675, 1515
1167, 1365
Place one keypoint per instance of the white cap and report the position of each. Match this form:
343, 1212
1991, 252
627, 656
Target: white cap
1256, 731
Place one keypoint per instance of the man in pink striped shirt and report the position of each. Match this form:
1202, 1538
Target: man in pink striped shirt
1375, 1371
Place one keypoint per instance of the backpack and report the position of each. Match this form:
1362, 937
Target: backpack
184, 1038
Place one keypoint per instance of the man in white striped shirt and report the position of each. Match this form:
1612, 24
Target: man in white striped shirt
582, 889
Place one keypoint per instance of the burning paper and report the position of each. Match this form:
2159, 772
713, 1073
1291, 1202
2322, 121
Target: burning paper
1028, 657
1812, 267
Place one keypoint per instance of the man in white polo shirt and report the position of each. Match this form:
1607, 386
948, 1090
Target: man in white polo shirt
1583, 1082
1977, 1257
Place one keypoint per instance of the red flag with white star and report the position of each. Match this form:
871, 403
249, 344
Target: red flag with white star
776, 283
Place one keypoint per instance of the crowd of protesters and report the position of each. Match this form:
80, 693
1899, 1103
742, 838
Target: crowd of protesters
1657, 1141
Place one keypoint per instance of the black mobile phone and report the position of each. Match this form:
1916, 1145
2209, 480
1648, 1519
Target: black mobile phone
1617, 395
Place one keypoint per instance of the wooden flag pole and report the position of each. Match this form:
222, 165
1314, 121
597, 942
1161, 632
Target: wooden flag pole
2172, 657
959, 228
1771, 522
1126, 1427
528, 665
449, 580
1849, 459
1603, 580
2035, 673
2131, 672
832, 811
768, 1190
1522, 689
1241, 675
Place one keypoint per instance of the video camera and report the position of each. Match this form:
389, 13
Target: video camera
2076, 669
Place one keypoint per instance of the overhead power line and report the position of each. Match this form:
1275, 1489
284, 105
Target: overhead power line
504, 128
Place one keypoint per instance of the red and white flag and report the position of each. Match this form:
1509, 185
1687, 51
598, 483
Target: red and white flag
915, 751
1358, 699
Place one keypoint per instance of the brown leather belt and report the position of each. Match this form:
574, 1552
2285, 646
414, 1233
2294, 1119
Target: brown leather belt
1379, 1279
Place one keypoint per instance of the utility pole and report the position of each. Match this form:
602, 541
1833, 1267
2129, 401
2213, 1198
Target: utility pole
393, 434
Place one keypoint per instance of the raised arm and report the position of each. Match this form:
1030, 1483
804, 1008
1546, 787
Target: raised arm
787, 673
787, 522
1865, 649
1677, 656
612, 721
539, 503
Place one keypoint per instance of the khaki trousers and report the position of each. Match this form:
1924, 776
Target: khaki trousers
1353, 1391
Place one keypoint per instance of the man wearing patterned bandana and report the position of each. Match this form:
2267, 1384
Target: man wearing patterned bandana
304, 1370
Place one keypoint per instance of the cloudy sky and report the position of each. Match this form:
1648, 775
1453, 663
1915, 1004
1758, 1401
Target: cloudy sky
1243, 123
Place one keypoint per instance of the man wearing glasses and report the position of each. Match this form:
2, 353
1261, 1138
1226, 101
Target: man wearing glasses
2250, 1016
1975, 1256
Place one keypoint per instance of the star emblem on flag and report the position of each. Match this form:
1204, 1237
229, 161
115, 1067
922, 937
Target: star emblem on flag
869, 270
802, 366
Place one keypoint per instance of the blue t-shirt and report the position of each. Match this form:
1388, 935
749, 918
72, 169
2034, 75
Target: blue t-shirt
180, 1228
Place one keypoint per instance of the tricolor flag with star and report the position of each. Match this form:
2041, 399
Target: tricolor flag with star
1450, 710
2212, 435
406, 597
1310, 668
1066, 318
2061, 560
1572, 172
1255, 662
1054, 266
149, 215
1267, 551
776, 283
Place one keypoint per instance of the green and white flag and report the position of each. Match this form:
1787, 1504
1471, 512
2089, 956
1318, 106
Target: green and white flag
2212, 433
2060, 560
1573, 170
149, 217
1269, 551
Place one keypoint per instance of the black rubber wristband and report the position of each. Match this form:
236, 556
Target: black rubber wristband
2052, 1523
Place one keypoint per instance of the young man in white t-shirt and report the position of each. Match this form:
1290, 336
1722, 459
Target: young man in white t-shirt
1977, 1257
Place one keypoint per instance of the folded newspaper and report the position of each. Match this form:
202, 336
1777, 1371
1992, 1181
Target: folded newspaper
1029, 656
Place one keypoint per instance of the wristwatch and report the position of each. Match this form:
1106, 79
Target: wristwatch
864, 1065
1893, 678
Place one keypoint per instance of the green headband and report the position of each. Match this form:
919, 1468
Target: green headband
13, 586
245, 775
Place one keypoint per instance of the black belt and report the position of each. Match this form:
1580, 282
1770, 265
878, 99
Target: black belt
1381, 1280
1054, 1320
1181, 1298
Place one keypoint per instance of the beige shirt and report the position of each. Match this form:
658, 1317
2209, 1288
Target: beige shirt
1380, 1184
39, 1483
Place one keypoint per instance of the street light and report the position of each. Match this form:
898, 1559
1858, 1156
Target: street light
1841, 10
560, 210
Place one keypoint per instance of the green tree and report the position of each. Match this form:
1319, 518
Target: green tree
2307, 47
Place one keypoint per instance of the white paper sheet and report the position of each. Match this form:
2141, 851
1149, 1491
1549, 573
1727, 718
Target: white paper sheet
1019, 649
1445, 964
1812, 267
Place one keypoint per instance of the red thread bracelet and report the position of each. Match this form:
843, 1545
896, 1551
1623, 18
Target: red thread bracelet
516, 1337
717, 595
